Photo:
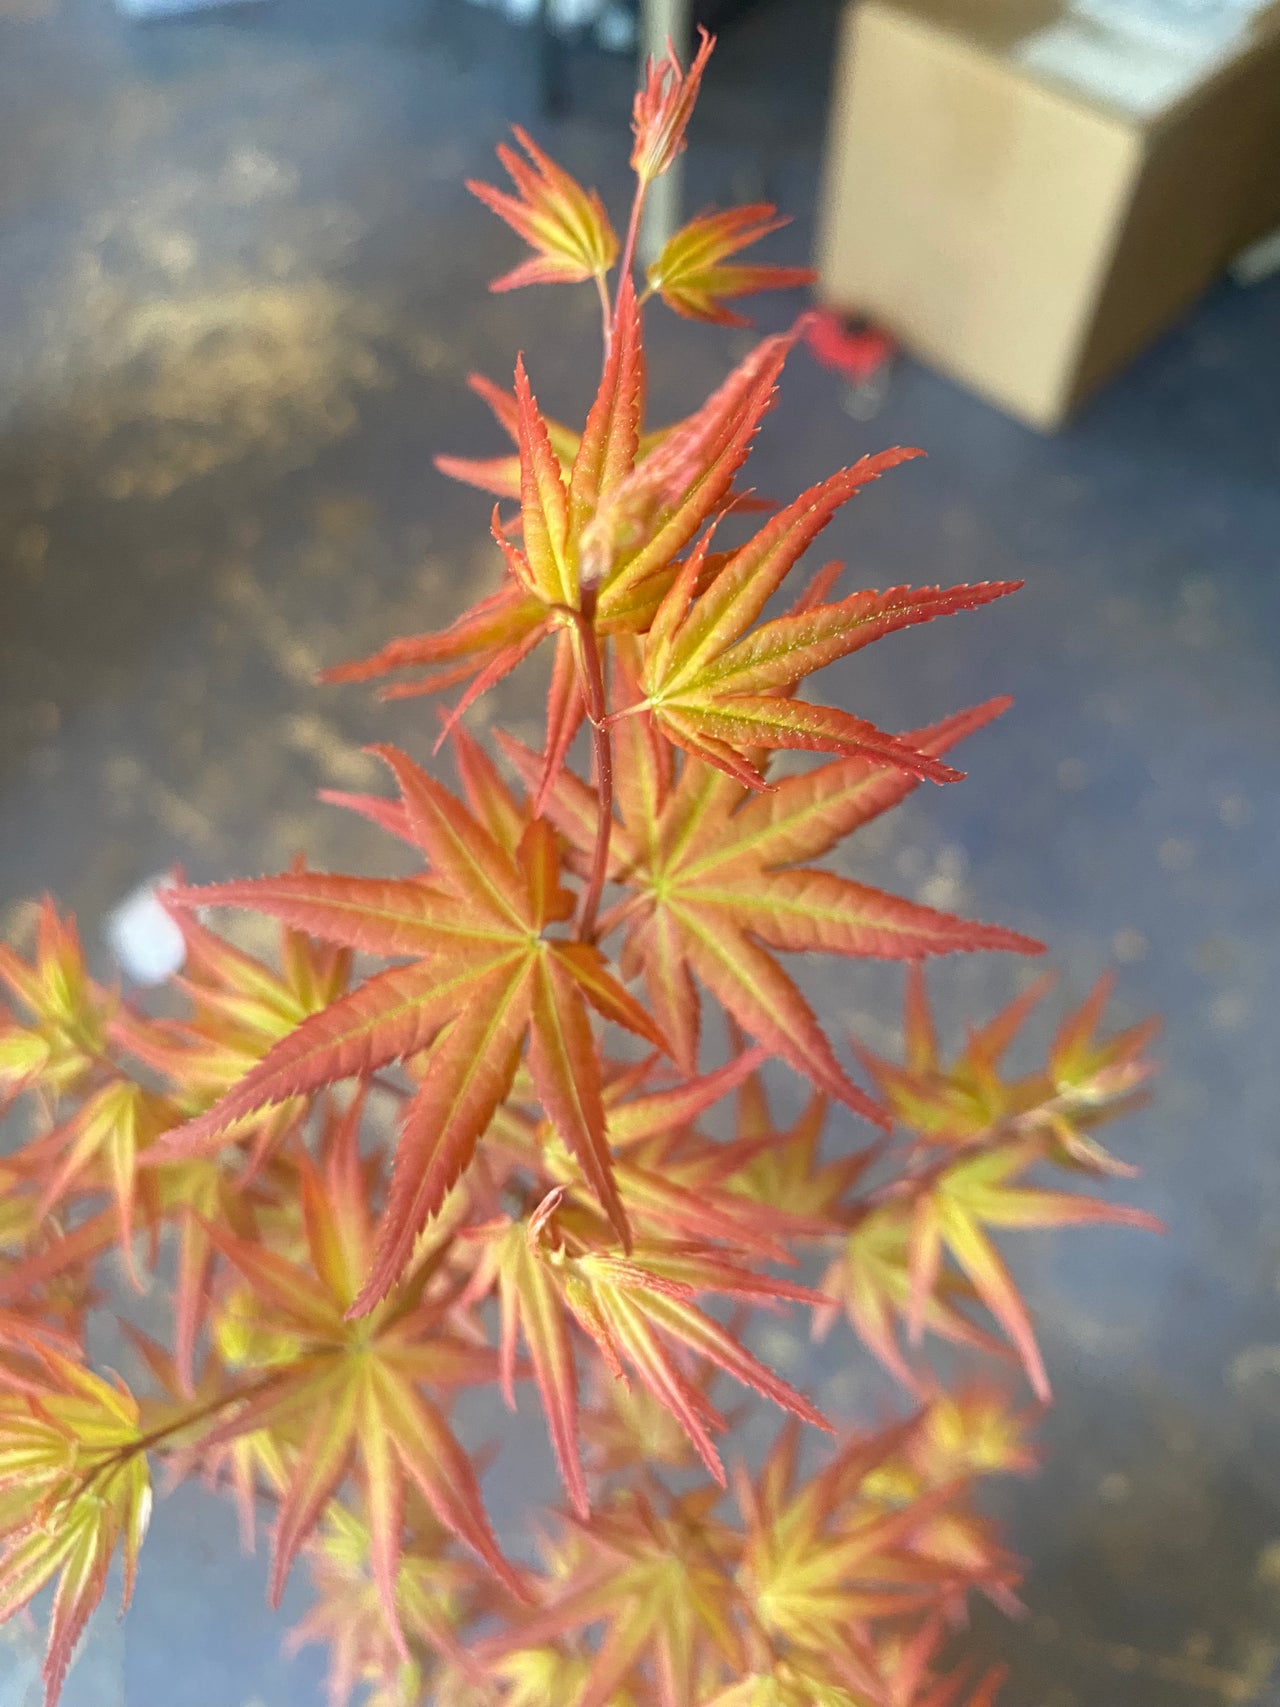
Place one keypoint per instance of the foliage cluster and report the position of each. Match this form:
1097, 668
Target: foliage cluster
499, 1161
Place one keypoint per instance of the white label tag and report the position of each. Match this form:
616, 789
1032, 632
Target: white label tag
144, 938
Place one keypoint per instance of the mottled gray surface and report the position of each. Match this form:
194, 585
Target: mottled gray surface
240, 284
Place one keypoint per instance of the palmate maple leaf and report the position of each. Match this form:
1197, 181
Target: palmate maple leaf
781, 1166
74, 1486
58, 1038
621, 1422
872, 1280
957, 1547
1086, 1079
822, 1560
690, 274
531, 1677
675, 1184
832, 1568
98, 1149
238, 1008
980, 1134
622, 510
1093, 1080
806, 1683
484, 975
787, 1684
716, 884
181, 1196
542, 595
439, 1593
974, 1431
907, 1663
548, 1274
658, 1582
566, 225
720, 687
955, 1203
336, 1392
680, 1185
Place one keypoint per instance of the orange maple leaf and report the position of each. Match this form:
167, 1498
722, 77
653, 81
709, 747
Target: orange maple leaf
335, 1392
74, 1486
720, 687
714, 886
690, 274
565, 224
483, 974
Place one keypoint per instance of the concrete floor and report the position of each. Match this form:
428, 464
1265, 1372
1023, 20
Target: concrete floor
240, 285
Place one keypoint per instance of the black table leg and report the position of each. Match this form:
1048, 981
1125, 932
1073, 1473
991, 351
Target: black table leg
553, 82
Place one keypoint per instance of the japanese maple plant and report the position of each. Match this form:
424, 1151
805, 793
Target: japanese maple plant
510, 1159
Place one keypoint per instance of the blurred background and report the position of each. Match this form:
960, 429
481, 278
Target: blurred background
241, 285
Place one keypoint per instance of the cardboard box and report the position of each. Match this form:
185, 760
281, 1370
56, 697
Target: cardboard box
1027, 217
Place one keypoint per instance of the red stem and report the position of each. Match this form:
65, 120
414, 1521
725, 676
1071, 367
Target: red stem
186, 1419
589, 654
606, 314
633, 233
602, 751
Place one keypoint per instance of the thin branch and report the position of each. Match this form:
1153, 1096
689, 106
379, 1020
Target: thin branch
633, 233
606, 313
602, 752
186, 1419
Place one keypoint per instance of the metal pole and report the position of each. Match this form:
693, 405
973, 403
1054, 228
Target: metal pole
553, 88
662, 21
